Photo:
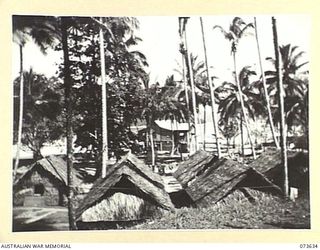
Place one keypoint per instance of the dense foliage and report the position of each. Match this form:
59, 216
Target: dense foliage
43, 118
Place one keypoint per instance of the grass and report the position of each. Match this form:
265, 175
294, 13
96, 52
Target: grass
236, 212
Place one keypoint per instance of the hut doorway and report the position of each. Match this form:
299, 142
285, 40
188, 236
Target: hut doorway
38, 189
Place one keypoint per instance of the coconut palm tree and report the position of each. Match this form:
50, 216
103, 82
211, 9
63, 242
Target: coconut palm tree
236, 31
295, 88
66, 24
229, 104
113, 33
104, 104
265, 89
43, 31
279, 79
214, 116
184, 50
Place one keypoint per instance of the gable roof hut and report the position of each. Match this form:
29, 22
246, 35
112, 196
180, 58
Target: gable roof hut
44, 181
208, 179
128, 176
269, 164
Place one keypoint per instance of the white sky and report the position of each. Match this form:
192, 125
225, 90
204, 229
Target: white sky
161, 44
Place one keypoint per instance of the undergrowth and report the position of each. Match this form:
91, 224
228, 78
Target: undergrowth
236, 212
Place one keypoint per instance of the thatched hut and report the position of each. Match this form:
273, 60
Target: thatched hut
269, 164
44, 183
129, 184
208, 179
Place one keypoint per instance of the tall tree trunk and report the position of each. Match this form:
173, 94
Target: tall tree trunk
265, 88
204, 126
172, 139
20, 122
193, 93
104, 105
186, 96
68, 100
214, 113
283, 139
228, 145
245, 119
242, 136
153, 155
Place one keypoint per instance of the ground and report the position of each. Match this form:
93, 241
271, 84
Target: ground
40, 219
235, 212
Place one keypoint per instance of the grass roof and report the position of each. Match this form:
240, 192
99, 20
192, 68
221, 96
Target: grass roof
54, 166
208, 179
129, 175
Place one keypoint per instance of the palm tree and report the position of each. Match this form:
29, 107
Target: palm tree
214, 116
236, 31
295, 88
283, 140
66, 23
229, 104
118, 34
104, 104
266, 94
184, 49
44, 33
42, 117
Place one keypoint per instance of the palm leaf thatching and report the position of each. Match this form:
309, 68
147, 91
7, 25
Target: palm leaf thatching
55, 167
207, 179
269, 164
129, 176
189, 169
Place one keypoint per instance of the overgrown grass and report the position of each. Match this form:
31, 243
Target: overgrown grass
235, 211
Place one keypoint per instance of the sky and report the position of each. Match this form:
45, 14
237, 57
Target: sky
160, 44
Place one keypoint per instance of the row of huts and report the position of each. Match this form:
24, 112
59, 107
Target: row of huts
130, 184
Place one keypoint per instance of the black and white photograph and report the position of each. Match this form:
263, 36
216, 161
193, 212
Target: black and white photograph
160, 122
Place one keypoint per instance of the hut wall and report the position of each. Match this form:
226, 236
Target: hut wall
120, 207
52, 192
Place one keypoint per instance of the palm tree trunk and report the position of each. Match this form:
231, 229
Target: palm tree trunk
242, 136
16, 163
214, 116
104, 106
204, 126
187, 98
265, 88
283, 139
68, 100
245, 119
153, 156
228, 145
172, 139
193, 93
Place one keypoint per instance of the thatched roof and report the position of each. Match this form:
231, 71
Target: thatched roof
208, 179
269, 164
54, 166
189, 169
129, 175
219, 177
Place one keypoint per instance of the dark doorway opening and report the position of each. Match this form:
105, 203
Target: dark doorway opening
39, 189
